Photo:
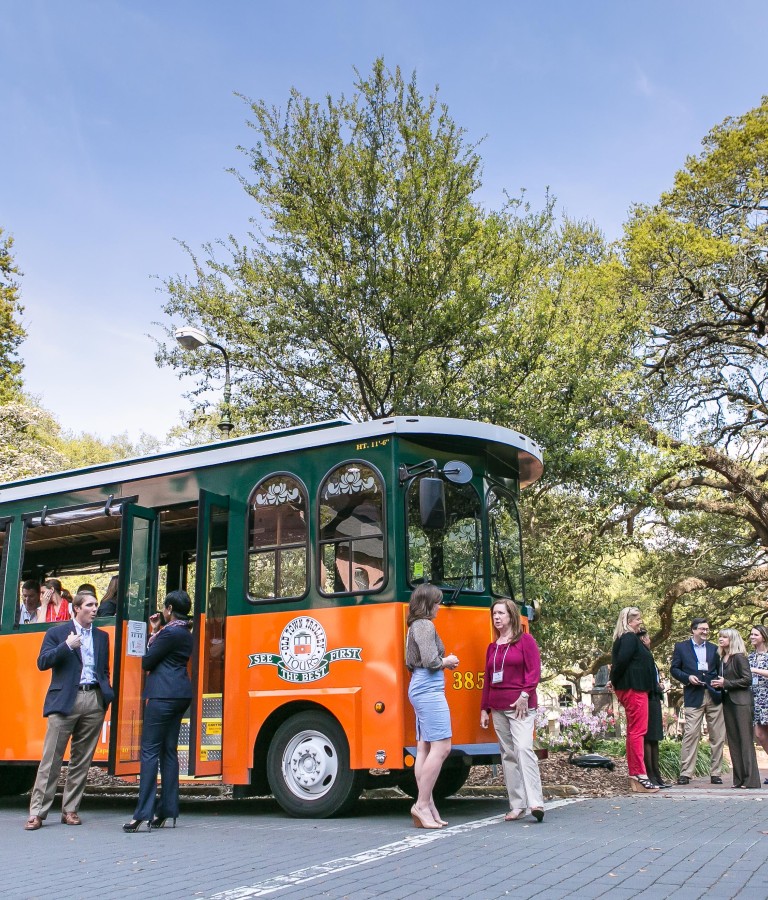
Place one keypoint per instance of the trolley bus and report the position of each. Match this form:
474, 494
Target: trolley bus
300, 548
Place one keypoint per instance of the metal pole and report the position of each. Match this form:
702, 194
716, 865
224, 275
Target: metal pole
225, 425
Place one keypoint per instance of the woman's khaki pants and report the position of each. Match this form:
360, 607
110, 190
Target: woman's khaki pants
521, 767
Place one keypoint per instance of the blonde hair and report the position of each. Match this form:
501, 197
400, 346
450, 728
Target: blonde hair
735, 642
622, 623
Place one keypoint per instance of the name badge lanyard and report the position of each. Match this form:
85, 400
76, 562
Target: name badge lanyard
498, 674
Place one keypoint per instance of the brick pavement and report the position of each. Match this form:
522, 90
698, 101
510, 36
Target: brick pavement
685, 842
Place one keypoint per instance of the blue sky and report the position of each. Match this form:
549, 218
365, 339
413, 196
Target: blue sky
120, 120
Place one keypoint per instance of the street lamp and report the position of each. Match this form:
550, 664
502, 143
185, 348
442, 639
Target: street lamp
193, 339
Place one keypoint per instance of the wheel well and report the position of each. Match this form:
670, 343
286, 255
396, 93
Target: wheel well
270, 725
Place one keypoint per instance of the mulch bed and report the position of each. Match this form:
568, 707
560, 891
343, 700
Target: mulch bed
558, 777
557, 774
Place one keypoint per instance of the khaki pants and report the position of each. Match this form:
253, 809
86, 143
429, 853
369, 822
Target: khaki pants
716, 727
521, 767
83, 725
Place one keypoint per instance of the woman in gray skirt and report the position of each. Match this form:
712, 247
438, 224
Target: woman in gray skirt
425, 658
735, 682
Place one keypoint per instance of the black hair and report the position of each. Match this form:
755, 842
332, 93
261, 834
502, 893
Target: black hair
31, 585
179, 602
696, 622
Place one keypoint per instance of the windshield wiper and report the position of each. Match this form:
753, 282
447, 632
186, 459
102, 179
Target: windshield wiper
457, 590
500, 555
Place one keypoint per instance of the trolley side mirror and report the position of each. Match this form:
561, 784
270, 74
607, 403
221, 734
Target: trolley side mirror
432, 503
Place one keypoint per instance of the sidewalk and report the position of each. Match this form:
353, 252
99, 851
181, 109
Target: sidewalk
686, 842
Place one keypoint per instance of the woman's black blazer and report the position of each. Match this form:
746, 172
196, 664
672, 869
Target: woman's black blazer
632, 666
166, 661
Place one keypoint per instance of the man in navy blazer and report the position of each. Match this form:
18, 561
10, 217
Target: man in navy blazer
694, 665
77, 654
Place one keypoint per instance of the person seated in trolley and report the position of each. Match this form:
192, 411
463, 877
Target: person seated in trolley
54, 606
108, 605
30, 602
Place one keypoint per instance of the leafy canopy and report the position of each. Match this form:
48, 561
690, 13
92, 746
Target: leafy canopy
11, 331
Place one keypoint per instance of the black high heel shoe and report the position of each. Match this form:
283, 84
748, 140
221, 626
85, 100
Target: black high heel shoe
159, 822
133, 826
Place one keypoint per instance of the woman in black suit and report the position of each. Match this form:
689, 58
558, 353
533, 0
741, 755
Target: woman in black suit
735, 682
167, 693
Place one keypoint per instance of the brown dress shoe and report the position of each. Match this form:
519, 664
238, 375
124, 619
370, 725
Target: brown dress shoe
70, 818
33, 823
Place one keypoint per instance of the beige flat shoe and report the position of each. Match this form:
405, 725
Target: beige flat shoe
514, 814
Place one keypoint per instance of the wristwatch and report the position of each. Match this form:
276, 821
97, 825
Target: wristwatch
524, 694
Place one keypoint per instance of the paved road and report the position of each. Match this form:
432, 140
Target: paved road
686, 842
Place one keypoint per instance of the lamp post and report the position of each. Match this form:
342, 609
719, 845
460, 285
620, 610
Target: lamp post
193, 339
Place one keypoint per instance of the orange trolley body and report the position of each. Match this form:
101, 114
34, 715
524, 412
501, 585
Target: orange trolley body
300, 549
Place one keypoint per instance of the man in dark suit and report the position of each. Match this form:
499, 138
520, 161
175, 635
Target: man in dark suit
78, 655
694, 665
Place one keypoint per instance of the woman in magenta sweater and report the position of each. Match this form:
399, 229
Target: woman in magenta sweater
512, 674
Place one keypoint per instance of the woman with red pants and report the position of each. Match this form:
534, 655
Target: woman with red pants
632, 678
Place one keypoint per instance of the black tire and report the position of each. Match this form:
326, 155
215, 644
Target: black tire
451, 779
308, 767
16, 779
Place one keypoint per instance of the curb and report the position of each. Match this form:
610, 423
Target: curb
218, 791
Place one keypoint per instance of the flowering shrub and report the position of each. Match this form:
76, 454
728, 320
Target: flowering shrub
580, 727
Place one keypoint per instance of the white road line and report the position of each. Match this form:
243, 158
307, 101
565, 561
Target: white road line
300, 876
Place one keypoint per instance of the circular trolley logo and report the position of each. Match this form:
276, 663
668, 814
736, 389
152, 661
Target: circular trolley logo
303, 652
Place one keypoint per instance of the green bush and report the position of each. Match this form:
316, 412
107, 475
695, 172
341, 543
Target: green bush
611, 747
669, 756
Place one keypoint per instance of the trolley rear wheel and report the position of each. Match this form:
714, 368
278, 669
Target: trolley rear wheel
308, 767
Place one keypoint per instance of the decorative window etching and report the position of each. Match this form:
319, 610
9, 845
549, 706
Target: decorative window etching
277, 492
351, 481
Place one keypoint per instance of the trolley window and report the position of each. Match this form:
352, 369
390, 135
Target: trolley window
66, 547
351, 530
452, 555
5, 521
277, 529
506, 546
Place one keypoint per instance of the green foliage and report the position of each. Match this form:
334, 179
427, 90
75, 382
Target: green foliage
83, 449
611, 747
669, 760
669, 757
11, 332
26, 445
366, 294
32, 443
375, 284
379, 286
698, 257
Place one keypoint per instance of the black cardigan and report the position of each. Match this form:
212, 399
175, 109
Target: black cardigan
632, 666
